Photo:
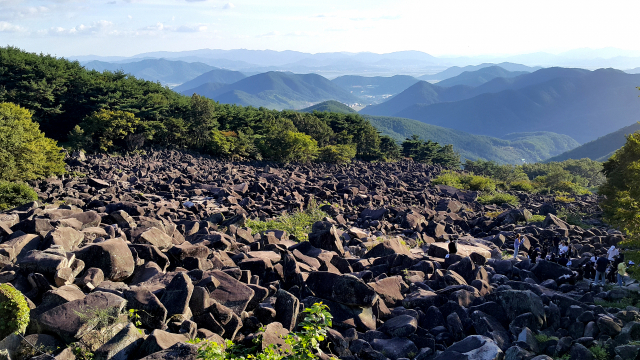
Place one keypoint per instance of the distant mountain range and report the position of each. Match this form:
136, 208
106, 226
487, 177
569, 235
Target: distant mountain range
480, 76
531, 147
456, 70
600, 149
375, 85
219, 76
166, 72
276, 90
580, 103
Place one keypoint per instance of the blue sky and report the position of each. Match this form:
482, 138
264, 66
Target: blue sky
444, 27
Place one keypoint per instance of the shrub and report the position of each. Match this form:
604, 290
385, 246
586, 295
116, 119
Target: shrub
337, 154
564, 199
297, 224
478, 183
449, 178
15, 194
14, 311
25, 153
522, 185
537, 218
300, 345
498, 199
599, 353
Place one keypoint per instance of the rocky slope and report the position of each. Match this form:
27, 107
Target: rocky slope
163, 234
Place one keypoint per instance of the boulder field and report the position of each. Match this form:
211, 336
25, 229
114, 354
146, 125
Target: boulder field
164, 235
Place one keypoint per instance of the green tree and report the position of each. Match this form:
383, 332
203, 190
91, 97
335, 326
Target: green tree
622, 188
108, 130
202, 120
389, 149
337, 154
25, 153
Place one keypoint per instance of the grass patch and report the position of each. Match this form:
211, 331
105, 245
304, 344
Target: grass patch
573, 219
633, 300
599, 353
537, 218
633, 255
493, 214
297, 223
543, 338
506, 255
498, 199
564, 199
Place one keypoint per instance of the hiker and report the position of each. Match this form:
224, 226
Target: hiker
556, 245
612, 252
622, 270
601, 268
534, 255
564, 248
516, 244
564, 260
453, 248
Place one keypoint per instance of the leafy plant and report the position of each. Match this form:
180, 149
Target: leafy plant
301, 345
599, 353
543, 338
15, 194
297, 223
537, 218
564, 199
14, 311
498, 199
81, 352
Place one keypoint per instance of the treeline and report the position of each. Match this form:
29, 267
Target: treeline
112, 111
569, 176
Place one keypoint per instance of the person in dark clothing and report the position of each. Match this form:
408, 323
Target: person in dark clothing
453, 247
534, 255
555, 249
601, 268
563, 260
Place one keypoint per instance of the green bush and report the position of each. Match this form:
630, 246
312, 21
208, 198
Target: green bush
337, 154
15, 194
537, 218
25, 153
297, 223
449, 178
498, 199
522, 185
14, 311
599, 353
478, 183
301, 345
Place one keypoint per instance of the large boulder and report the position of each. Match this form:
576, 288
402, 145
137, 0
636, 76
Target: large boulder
71, 321
326, 239
345, 289
545, 270
112, 256
517, 302
475, 347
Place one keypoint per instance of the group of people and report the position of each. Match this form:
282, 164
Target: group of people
611, 267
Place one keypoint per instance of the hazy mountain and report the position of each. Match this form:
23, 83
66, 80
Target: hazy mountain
600, 149
633, 71
579, 103
456, 70
220, 76
479, 77
529, 146
421, 92
279, 90
376, 85
330, 106
165, 71
206, 90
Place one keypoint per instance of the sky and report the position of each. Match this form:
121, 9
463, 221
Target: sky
440, 28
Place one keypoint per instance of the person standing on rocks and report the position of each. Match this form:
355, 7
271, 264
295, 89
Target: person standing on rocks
556, 246
516, 244
601, 268
622, 270
612, 253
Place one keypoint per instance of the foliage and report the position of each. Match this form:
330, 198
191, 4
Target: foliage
14, 311
599, 353
81, 352
337, 154
465, 181
25, 153
15, 194
621, 206
522, 185
112, 111
564, 199
302, 345
543, 338
430, 152
537, 218
498, 199
297, 223
493, 214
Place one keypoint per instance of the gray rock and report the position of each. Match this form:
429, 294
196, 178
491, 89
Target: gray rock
395, 348
400, 326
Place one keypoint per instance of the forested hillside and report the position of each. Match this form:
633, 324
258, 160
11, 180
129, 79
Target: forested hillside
600, 149
107, 111
166, 71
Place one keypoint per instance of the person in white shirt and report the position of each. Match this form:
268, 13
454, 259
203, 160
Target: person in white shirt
612, 252
564, 248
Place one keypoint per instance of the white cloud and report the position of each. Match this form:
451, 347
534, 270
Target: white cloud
8, 27
270, 34
183, 28
197, 28
228, 6
94, 28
